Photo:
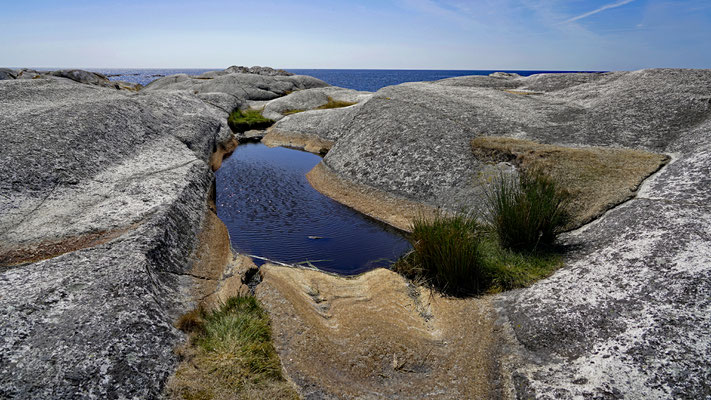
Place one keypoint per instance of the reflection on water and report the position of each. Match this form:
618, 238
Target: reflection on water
271, 211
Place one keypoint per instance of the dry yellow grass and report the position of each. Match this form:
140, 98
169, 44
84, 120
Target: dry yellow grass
598, 178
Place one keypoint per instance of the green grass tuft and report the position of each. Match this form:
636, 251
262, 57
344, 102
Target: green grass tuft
507, 269
446, 254
241, 327
527, 213
242, 121
459, 256
230, 355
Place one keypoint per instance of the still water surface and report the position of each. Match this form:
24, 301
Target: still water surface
271, 211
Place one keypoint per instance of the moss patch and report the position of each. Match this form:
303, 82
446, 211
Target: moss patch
289, 112
331, 104
597, 178
242, 121
334, 104
230, 355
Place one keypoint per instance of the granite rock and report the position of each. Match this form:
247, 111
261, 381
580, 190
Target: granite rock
103, 194
27, 74
416, 135
245, 86
77, 75
267, 71
6, 73
629, 315
304, 100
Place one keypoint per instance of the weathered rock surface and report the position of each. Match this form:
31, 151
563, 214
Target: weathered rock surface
77, 75
103, 194
104, 234
314, 130
27, 74
629, 314
309, 99
245, 86
6, 73
266, 71
412, 138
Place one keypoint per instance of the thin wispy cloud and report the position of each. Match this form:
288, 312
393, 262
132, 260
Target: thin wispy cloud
601, 9
435, 9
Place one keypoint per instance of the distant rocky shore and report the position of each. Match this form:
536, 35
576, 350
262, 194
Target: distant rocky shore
108, 234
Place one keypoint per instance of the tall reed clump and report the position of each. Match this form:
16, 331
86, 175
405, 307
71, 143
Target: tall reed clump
527, 213
460, 255
446, 254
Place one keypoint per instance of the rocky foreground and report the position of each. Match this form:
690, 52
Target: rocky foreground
107, 235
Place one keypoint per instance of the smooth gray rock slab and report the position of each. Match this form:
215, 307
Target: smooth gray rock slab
77, 75
96, 321
27, 74
413, 139
311, 98
223, 101
629, 315
504, 75
326, 124
6, 73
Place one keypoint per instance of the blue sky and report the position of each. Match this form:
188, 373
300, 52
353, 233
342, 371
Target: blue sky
414, 34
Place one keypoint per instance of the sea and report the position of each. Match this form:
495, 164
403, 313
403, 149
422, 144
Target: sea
359, 79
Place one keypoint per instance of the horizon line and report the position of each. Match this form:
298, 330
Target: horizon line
303, 68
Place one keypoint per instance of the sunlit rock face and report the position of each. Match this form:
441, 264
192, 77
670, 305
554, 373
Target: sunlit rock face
102, 195
629, 314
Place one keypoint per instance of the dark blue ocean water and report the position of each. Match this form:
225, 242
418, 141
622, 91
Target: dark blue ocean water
360, 79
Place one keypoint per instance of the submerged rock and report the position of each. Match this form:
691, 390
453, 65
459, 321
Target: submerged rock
103, 193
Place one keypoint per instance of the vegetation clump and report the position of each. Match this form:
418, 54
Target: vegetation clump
230, 355
294, 111
242, 121
527, 213
446, 254
460, 255
334, 104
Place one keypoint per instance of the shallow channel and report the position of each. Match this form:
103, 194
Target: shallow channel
272, 211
